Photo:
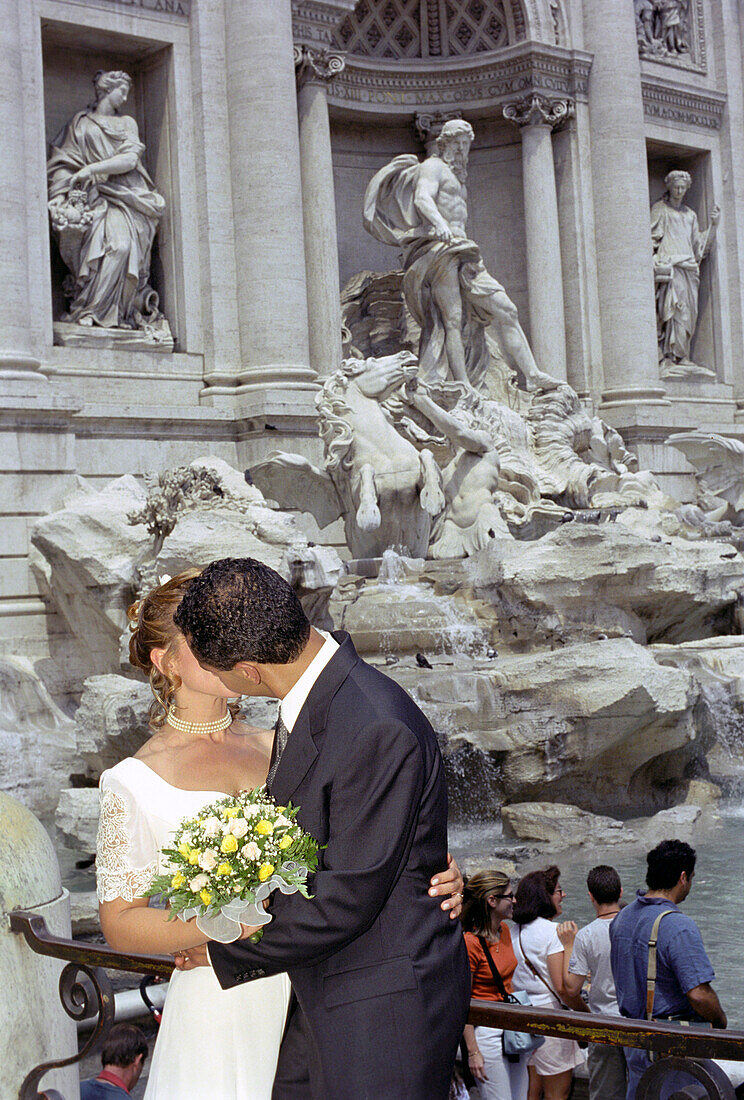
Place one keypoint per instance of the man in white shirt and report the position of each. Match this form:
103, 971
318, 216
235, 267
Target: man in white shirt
590, 960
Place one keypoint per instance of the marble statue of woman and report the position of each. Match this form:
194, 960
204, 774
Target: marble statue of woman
679, 248
105, 210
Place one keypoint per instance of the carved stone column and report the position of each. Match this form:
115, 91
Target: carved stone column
315, 70
536, 116
621, 207
19, 367
264, 159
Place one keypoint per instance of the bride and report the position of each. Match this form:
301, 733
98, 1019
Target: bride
212, 1042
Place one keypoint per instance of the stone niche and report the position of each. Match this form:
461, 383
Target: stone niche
72, 55
707, 344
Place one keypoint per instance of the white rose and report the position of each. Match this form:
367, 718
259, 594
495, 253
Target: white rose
212, 826
186, 838
208, 859
251, 851
238, 827
282, 820
199, 883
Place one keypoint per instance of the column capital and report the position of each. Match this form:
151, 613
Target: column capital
319, 65
538, 110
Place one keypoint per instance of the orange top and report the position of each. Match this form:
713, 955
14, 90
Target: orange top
502, 954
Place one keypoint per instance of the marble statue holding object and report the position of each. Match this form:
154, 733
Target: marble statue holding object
105, 211
422, 208
679, 249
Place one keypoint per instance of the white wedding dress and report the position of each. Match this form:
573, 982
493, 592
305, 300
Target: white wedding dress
212, 1042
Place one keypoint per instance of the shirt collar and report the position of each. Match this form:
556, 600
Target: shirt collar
641, 897
112, 1079
294, 700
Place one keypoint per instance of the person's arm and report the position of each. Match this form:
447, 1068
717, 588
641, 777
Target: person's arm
126, 862
555, 971
132, 927
448, 885
704, 1000
424, 199
573, 983
476, 1062
374, 803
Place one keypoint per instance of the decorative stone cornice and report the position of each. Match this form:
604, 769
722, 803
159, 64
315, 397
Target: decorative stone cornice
428, 125
315, 21
685, 106
538, 110
322, 65
378, 86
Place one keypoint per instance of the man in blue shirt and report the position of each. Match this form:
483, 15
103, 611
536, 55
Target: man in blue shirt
683, 970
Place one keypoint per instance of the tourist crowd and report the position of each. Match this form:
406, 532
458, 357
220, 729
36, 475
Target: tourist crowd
644, 960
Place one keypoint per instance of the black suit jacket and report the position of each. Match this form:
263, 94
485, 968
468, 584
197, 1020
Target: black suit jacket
379, 971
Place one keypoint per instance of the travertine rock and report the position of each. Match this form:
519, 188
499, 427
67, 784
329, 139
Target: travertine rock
111, 721
586, 579
37, 742
559, 823
601, 724
86, 559
77, 817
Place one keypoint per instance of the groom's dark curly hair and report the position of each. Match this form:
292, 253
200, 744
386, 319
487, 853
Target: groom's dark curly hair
238, 609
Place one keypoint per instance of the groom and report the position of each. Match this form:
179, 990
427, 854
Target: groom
380, 974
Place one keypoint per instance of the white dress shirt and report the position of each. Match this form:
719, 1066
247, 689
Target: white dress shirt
293, 702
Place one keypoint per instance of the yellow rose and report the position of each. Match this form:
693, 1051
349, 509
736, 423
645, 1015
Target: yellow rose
229, 843
224, 869
281, 809
184, 849
285, 841
194, 856
231, 811
178, 880
264, 827
205, 896
266, 870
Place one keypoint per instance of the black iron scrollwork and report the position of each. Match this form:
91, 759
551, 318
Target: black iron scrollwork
81, 1003
702, 1072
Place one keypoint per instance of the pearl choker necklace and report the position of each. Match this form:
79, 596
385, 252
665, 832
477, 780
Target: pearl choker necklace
198, 727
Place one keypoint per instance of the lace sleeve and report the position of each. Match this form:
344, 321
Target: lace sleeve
126, 854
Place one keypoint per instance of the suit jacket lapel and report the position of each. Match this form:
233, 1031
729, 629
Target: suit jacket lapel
302, 749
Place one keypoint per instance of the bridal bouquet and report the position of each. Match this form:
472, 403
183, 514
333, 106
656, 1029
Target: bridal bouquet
225, 861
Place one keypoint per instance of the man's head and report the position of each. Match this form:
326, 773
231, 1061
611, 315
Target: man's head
671, 866
453, 145
125, 1051
238, 614
603, 884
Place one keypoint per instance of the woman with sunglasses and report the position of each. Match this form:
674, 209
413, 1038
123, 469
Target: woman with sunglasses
540, 954
487, 904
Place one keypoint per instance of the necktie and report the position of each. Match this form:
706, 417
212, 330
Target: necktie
281, 736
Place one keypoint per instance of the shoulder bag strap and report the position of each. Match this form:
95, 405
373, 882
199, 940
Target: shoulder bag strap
537, 972
498, 981
651, 969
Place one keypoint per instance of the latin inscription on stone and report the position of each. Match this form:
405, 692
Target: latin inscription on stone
168, 7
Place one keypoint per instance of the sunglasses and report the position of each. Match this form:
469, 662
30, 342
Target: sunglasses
505, 897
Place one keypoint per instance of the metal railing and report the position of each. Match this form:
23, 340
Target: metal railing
677, 1047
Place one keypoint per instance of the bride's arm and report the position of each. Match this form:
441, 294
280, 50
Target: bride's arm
135, 927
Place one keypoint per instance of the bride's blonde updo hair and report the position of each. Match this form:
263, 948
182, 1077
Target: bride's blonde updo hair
152, 627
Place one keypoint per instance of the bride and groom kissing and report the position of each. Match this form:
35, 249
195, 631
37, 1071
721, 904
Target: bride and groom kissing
380, 983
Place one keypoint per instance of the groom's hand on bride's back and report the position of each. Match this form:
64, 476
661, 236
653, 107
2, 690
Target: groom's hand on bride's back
449, 885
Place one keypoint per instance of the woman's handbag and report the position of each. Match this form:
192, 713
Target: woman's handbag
513, 1043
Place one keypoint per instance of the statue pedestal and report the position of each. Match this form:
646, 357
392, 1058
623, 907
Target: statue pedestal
159, 338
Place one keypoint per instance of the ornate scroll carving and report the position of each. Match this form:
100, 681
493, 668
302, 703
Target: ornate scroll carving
538, 110
322, 65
